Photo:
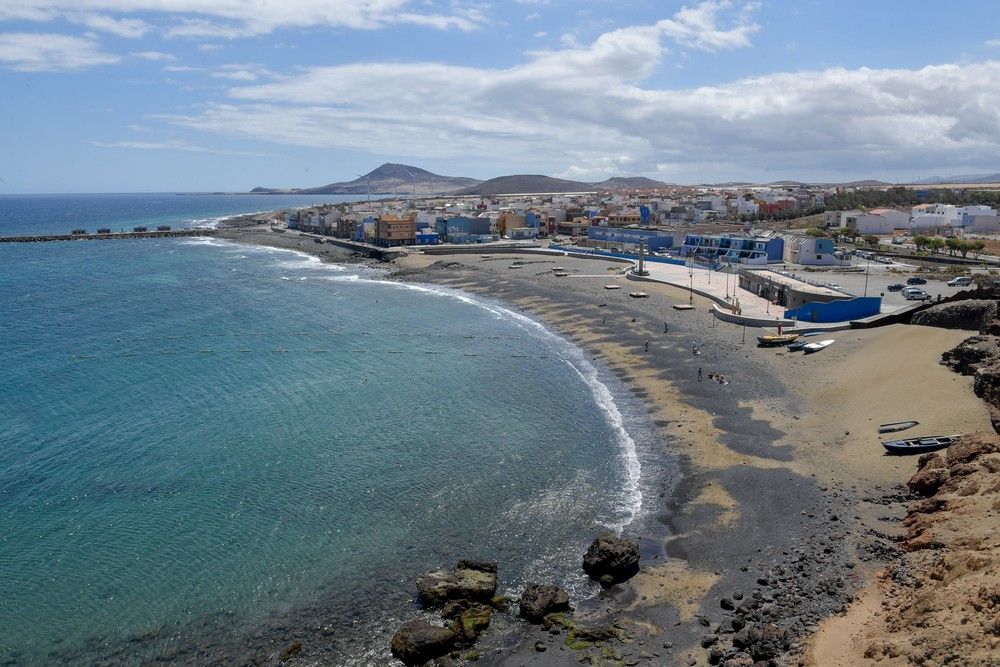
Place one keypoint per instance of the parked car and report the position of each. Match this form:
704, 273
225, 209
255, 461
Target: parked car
960, 281
916, 281
916, 295
897, 287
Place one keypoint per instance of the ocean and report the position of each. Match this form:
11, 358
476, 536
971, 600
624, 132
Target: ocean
209, 450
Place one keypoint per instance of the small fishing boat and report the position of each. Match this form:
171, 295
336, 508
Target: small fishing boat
920, 445
798, 345
558, 268
776, 340
638, 295
894, 427
560, 274
612, 287
809, 348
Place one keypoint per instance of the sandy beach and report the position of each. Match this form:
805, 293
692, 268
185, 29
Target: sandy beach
782, 510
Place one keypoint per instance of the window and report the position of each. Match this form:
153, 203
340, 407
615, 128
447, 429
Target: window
819, 257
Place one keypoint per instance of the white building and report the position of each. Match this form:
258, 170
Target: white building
810, 251
979, 219
876, 221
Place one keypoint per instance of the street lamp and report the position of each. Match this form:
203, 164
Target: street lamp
690, 278
867, 267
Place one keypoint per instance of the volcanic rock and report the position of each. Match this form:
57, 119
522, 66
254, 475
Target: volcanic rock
611, 560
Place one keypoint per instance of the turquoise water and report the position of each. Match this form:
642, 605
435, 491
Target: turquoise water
208, 449
22, 215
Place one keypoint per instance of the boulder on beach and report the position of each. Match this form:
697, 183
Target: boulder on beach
611, 560
470, 580
539, 600
418, 641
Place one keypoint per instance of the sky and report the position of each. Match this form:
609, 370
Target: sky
211, 95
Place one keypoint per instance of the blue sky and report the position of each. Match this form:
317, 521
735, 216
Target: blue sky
203, 95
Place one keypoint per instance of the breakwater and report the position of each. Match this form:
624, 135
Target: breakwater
41, 238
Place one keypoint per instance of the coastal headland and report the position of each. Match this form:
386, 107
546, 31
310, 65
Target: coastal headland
788, 511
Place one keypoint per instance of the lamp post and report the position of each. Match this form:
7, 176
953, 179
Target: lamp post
690, 278
867, 267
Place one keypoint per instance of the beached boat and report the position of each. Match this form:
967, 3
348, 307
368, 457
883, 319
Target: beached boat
920, 445
560, 274
612, 287
559, 268
638, 295
776, 340
896, 426
809, 348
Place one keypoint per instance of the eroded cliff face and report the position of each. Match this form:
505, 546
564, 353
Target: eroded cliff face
941, 602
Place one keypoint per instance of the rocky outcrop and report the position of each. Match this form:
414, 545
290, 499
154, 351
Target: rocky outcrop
972, 354
941, 600
470, 580
979, 356
539, 600
611, 560
970, 314
418, 641
464, 596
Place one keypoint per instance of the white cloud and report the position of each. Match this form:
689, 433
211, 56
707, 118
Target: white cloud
48, 52
173, 145
228, 19
993, 43
584, 110
128, 28
156, 56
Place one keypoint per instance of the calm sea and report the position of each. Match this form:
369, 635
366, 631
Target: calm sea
207, 450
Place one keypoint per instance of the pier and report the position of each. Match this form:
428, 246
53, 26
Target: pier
41, 238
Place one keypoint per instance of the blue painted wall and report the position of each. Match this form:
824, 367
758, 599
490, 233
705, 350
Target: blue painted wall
842, 310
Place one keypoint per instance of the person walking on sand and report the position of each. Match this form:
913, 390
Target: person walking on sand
664, 327
699, 374
647, 346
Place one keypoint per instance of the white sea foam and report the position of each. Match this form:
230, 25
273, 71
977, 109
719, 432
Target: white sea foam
574, 357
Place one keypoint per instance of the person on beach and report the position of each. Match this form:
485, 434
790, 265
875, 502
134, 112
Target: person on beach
699, 374
647, 346
665, 327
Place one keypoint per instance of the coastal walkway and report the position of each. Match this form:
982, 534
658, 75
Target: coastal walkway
42, 238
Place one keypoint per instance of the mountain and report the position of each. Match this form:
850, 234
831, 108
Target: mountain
390, 178
965, 178
629, 183
525, 184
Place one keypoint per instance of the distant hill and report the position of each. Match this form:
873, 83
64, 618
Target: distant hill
522, 184
629, 183
388, 179
966, 178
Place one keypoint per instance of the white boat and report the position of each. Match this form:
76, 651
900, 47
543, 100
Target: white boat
612, 287
809, 348
638, 295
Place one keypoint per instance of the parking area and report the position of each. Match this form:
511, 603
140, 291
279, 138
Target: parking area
879, 279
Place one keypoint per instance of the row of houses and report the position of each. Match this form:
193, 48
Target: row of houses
942, 219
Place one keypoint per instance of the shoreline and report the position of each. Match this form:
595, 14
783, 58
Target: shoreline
726, 455
774, 506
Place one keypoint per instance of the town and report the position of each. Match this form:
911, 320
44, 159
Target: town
791, 251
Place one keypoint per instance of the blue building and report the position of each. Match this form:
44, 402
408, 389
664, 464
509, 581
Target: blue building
732, 248
655, 240
462, 229
427, 237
